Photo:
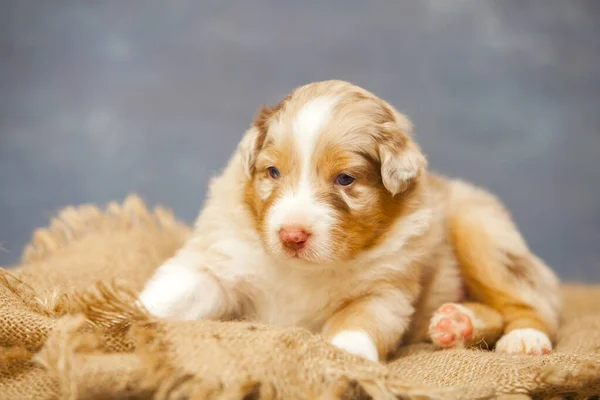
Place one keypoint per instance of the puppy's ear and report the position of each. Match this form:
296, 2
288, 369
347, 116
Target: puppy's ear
402, 162
248, 150
253, 139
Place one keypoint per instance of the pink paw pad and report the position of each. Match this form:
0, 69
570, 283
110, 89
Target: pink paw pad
451, 326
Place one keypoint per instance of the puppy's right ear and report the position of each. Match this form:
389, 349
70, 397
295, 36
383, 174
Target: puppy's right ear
248, 150
253, 140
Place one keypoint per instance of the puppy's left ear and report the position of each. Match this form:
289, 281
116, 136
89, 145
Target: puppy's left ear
402, 162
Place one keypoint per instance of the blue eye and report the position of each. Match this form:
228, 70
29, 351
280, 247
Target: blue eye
273, 172
344, 180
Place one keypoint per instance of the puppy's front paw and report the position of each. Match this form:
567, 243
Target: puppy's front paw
170, 292
356, 342
524, 341
181, 292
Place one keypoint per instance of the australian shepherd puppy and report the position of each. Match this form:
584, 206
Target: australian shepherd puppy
326, 218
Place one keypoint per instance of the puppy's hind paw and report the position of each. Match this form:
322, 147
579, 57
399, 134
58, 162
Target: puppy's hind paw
356, 342
451, 326
524, 341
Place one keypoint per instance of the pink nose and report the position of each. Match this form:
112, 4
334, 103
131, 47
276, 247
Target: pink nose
293, 237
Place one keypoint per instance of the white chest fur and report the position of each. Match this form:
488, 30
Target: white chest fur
281, 294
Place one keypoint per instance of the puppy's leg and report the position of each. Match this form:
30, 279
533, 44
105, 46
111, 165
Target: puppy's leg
465, 325
500, 271
370, 327
181, 289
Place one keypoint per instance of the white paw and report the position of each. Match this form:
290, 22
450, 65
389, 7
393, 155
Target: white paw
356, 342
181, 292
524, 341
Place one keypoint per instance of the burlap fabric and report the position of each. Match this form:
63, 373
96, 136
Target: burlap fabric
70, 328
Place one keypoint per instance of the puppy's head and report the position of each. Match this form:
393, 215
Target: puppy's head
329, 168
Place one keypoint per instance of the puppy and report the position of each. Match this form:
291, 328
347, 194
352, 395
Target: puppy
326, 218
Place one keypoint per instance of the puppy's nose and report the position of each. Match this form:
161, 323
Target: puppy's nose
293, 237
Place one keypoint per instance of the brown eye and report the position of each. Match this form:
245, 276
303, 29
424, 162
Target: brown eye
344, 180
273, 172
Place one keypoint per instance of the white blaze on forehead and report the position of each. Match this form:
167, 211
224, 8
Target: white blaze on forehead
306, 127
308, 123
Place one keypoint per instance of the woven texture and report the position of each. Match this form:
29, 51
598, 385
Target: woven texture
70, 329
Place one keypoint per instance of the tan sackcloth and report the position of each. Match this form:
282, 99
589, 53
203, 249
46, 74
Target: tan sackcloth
70, 329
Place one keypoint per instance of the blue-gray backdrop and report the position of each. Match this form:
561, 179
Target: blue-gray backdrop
102, 98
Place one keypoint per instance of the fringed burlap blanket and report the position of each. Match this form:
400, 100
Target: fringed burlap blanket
70, 329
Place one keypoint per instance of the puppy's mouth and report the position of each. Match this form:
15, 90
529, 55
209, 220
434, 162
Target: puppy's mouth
304, 254
305, 257
296, 253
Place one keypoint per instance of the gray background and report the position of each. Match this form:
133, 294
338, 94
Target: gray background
102, 98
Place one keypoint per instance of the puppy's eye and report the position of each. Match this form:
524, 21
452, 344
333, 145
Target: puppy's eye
273, 172
344, 180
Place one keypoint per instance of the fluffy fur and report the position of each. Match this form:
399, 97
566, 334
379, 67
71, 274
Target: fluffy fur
378, 256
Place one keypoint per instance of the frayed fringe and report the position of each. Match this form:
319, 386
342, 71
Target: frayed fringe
55, 303
72, 223
107, 305
110, 307
104, 305
23, 292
